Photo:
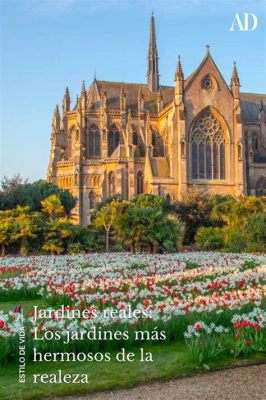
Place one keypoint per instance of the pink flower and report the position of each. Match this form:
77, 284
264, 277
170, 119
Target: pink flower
197, 326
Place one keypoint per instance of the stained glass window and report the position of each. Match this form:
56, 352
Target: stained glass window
208, 148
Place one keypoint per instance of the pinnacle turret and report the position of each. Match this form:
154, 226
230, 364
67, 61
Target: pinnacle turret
262, 112
235, 83
66, 101
153, 70
261, 105
140, 101
129, 119
179, 75
56, 119
83, 89
235, 79
122, 98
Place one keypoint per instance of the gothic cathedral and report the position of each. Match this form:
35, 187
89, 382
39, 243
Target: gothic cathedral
129, 138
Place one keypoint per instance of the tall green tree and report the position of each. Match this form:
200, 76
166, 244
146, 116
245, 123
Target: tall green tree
146, 200
6, 224
107, 217
194, 211
57, 230
9, 197
24, 227
52, 206
149, 229
15, 192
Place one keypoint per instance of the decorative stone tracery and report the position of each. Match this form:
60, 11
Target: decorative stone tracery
207, 147
208, 83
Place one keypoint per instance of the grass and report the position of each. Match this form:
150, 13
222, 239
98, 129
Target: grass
170, 360
26, 304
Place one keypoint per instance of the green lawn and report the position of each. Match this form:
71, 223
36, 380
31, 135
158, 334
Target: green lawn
170, 360
27, 304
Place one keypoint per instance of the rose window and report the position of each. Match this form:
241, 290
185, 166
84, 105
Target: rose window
208, 83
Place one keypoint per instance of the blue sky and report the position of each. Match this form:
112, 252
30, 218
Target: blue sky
47, 45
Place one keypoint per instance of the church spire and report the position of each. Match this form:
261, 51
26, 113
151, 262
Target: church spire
153, 71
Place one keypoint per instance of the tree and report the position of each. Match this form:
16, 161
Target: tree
6, 222
209, 238
24, 227
235, 212
107, 217
241, 224
56, 231
194, 211
52, 206
166, 232
83, 239
15, 192
146, 200
149, 229
8, 191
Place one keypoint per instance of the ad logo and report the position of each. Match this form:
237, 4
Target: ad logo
244, 23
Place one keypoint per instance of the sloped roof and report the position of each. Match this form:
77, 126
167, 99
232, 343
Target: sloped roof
250, 102
131, 91
251, 105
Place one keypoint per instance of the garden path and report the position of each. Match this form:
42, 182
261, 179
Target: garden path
243, 383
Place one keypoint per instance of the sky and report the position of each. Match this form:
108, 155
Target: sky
47, 45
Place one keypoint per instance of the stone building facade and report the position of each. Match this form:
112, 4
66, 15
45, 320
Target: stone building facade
128, 138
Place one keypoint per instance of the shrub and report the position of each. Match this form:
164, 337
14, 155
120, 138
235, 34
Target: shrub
149, 229
256, 233
75, 248
235, 239
194, 211
209, 238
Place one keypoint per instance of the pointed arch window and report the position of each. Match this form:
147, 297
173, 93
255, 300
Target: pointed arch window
113, 139
138, 142
255, 142
140, 185
260, 188
157, 143
92, 199
93, 142
111, 184
70, 143
207, 148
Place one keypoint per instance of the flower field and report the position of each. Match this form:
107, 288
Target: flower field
213, 302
